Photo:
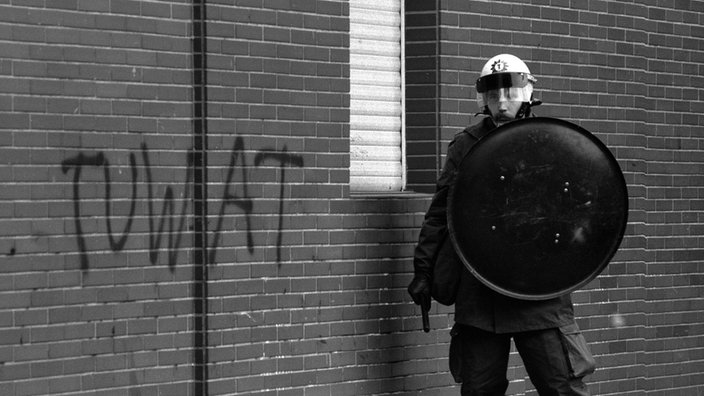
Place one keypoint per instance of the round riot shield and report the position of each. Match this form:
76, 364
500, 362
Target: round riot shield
538, 208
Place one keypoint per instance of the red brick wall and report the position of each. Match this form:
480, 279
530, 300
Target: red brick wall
129, 268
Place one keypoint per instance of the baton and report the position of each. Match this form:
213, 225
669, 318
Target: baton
424, 308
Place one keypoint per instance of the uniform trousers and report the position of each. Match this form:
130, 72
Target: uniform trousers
480, 360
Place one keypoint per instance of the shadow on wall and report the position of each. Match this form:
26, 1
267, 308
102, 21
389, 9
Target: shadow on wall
384, 327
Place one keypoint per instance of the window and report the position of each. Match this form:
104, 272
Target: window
377, 149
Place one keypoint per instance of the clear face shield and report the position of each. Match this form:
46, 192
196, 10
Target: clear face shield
504, 87
513, 94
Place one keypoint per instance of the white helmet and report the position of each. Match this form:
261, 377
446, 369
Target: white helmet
505, 77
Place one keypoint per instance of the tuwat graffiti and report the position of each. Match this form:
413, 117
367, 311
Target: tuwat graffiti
167, 226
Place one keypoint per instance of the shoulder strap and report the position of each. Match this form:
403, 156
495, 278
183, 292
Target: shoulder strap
478, 130
473, 133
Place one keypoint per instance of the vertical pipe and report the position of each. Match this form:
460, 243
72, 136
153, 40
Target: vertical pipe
200, 200
438, 133
404, 162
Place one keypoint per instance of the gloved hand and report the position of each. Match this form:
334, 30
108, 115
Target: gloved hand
419, 289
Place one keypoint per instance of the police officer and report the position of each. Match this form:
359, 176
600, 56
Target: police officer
545, 333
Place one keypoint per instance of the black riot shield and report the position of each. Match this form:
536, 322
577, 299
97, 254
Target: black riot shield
538, 208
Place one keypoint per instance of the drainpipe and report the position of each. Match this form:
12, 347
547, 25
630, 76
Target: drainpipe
200, 199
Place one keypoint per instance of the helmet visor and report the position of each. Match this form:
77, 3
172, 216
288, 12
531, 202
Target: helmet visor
513, 94
503, 80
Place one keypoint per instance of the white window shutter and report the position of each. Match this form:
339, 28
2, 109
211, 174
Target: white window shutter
377, 158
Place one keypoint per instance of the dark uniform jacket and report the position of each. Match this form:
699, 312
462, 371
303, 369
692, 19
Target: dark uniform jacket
477, 305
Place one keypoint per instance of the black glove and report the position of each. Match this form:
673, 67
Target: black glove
419, 289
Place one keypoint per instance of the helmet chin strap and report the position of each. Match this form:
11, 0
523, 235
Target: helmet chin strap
523, 111
484, 111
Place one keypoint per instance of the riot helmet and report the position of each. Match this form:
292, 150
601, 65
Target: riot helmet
506, 78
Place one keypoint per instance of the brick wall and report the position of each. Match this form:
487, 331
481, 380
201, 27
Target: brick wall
632, 74
175, 209
96, 111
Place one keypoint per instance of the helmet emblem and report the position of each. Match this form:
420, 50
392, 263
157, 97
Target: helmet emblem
499, 66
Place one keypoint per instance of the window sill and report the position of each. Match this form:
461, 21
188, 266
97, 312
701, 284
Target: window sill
388, 195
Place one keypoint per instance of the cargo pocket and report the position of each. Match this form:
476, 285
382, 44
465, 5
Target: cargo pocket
578, 354
456, 353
